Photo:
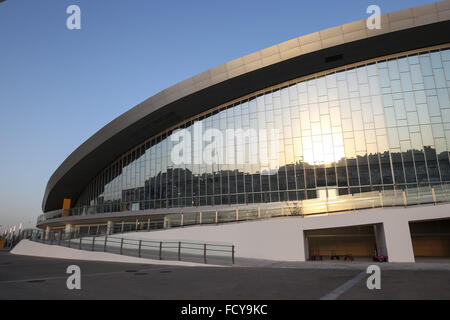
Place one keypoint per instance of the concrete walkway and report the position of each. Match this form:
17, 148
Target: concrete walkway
421, 264
34, 249
30, 248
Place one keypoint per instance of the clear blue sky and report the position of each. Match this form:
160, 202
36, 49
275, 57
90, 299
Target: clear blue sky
58, 87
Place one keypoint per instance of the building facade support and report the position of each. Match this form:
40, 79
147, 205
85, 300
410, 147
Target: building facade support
109, 227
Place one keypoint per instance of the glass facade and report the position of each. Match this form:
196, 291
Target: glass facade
383, 125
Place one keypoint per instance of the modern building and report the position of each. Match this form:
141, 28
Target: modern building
361, 120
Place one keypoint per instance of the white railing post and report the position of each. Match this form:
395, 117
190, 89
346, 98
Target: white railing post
380, 194
405, 202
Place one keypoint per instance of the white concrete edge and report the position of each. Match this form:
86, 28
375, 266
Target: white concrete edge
34, 249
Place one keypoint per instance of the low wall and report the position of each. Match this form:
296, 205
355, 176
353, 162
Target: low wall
282, 238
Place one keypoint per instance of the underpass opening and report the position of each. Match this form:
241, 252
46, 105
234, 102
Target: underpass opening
431, 238
345, 243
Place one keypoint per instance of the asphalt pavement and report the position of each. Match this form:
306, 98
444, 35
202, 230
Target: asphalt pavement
24, 277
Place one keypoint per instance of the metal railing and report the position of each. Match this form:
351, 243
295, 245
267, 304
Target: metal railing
200, 252
10, 240
398, 196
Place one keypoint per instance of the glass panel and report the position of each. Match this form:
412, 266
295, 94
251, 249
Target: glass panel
384, 126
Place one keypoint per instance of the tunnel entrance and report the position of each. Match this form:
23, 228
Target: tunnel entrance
343, 243
431, 238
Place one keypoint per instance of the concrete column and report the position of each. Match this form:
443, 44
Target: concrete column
109, 227
68, 229
304, 254
380, 239
398, 239
47, 233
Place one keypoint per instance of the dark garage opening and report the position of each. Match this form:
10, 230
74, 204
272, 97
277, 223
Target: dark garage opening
354, 242
431, 238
